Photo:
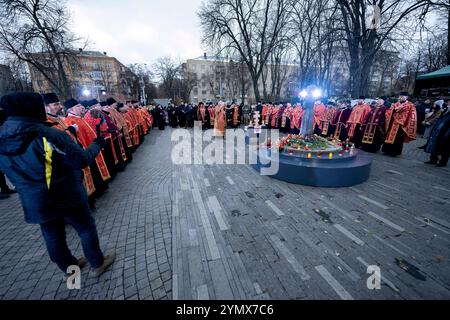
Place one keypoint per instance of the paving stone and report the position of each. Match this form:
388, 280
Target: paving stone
231, 255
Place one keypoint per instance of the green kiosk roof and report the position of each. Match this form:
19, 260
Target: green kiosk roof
444, 72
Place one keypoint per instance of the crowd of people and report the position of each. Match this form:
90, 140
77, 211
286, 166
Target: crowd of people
370, 124
123, 125
60, 157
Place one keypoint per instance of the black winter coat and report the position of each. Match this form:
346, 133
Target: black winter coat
44, 164
439, 138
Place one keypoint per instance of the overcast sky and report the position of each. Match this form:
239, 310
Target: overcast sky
139, 30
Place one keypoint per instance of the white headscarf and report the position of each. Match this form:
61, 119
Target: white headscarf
439, 103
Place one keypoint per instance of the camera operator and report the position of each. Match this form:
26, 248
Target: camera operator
45, 166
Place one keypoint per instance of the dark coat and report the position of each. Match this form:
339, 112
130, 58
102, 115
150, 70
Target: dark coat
440, 135
44, 164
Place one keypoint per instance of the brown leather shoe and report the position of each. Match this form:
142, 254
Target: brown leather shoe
107, 261
82, 262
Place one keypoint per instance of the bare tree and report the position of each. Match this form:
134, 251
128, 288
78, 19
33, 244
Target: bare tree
249, 27
36, 32
20, 75
186, 82
434, 51
364, 39
145, 76
167, 71
110, 86
278, 68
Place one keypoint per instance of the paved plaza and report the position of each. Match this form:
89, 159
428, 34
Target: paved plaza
224, 232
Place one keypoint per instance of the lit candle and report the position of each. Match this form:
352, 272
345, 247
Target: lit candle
309, 155
330, 155
306, 147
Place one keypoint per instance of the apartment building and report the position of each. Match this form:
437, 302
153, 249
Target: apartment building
93, 74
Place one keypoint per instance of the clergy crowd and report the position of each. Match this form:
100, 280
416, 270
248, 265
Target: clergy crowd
372, 125
122, 125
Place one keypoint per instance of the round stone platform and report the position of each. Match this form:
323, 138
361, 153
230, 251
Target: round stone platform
340, 171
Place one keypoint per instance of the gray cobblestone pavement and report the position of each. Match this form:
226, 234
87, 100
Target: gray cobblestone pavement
224, 232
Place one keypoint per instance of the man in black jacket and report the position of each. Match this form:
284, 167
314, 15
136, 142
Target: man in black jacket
438, 143
45, 165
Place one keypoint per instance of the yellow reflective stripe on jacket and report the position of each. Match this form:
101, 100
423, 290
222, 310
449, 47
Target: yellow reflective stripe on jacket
48, 161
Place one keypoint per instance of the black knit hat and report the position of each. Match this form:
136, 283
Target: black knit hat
24, 104
50, 98
111, 101
70, 103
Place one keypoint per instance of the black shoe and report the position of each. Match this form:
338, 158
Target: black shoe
4, 196
441, 165
8, 191
431, 162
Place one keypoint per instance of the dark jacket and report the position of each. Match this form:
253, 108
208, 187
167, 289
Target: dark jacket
440, 135
44, 164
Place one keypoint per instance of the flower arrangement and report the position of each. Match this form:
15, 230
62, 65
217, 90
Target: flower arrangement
304, 143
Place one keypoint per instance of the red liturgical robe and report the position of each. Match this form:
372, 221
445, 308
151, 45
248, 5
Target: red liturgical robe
401, 116
86, 135
319, 110
357, 116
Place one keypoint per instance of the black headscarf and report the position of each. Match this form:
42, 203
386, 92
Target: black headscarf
24, 104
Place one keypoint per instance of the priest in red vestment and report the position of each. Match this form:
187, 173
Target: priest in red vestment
220, 120
328, 116
296, 119
373, 127
85, 134
340, 120
401, 125
359, 113
319, 111
274, 117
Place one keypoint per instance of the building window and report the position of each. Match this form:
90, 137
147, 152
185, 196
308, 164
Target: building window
96, 74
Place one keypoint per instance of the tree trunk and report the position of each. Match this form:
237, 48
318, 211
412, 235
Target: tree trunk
256, 87
448, 37
354, 74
